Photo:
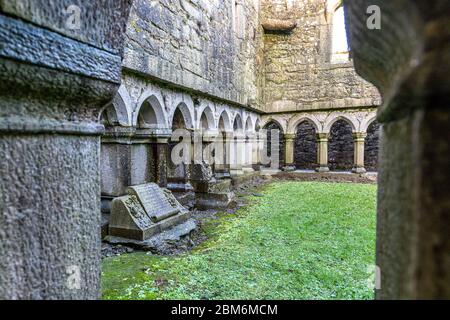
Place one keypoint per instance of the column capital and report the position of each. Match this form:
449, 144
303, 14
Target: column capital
289, 136
322, 137
359, 136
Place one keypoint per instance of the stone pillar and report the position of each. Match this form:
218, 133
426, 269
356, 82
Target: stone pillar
289, 142
256, 152
237, 155
50, 144
408, 61
249, 142
115, 163
359, 139
223, 156
162, 156
322, 152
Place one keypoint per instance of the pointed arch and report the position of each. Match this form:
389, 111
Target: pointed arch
267, 121
119, 110
187, 115
237, 123
367, 122
249, 126
150, 112
332, 119
294, 122
224, 119
206, 119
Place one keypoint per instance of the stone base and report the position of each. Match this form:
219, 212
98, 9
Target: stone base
289, 168
244, 179
236, 172
151, 231
257, 167
206, 201
248, 170
222, 175
170, 235
184, 193
323, 169
359, 170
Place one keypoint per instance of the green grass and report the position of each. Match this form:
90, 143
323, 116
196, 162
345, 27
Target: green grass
302, 240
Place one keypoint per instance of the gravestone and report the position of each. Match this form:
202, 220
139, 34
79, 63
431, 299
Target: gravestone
146, 211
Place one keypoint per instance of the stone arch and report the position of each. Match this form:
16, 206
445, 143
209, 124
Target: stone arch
371, 146
332, 119
118, 111
224, 123
305, 145
238, 125
257, 125
295, 121
269, 126
249, 127
150, 112
187, 115
206, 119
278, 122
367, 122
341, 145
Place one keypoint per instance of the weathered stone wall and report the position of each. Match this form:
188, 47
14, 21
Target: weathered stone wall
408, 61
340, 147
207, 46
52, 88
305, 150
371, 147
298, 73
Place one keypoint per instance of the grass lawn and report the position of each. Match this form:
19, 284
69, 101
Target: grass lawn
301, 240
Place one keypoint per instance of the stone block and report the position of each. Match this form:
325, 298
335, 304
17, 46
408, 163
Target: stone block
146, 211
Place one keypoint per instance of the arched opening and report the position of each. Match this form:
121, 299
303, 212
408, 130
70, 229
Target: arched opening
150, 114
204, 126
371, 147
305, 148
339, 43
109, 116
341, 146
270, 127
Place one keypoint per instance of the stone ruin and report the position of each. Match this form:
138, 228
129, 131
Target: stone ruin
54, 89
146, 211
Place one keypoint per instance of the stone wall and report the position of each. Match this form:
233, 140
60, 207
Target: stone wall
371, 147
340, 147
298, 73
207, 46
305, 150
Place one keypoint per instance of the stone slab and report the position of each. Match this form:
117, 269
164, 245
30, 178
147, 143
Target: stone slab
155, 201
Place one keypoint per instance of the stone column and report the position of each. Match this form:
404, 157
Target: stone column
289, 142
322, 152
359, 140
162, 158
50, 144
115, 163
256, 152
237, 154
408, 61
249, 142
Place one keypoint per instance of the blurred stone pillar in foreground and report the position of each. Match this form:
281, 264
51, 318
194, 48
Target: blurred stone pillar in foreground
408, 60
59, 64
